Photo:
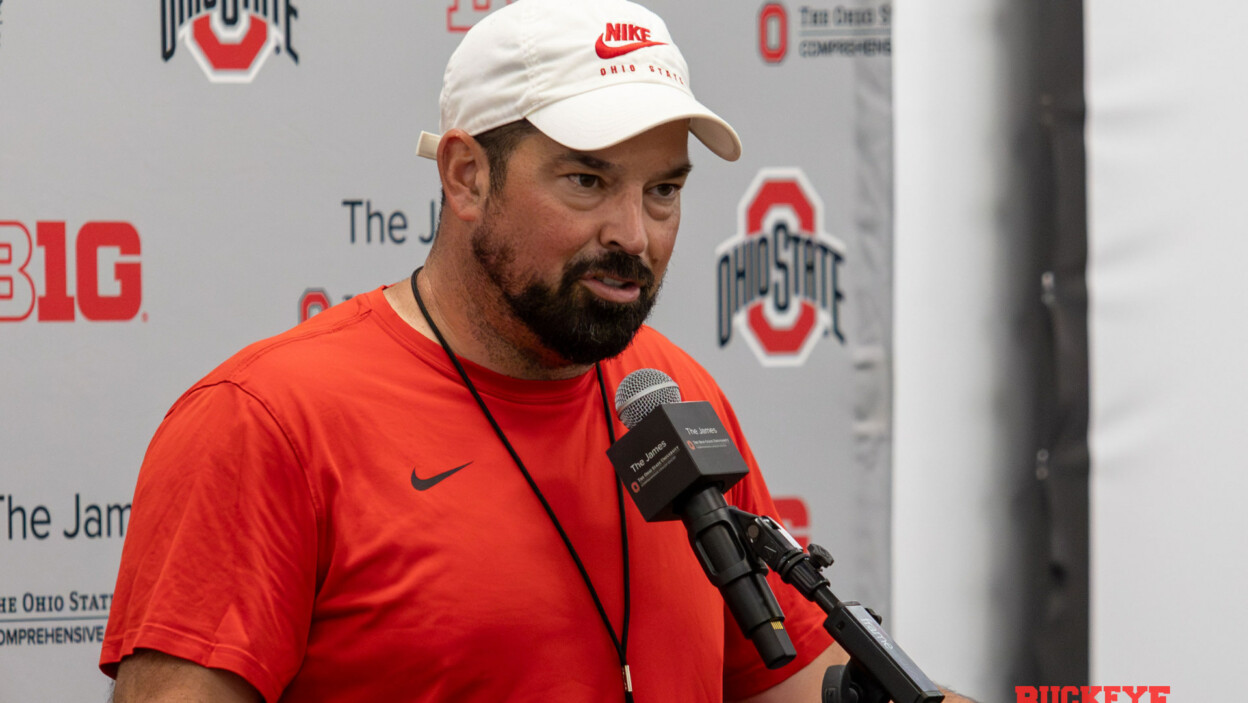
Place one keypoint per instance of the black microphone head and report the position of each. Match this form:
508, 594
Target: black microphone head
641, 392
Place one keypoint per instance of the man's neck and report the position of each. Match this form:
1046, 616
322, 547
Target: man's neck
477, 325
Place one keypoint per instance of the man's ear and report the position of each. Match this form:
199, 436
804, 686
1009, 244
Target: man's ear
465, 172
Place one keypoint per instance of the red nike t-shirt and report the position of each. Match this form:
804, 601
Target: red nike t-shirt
330, 516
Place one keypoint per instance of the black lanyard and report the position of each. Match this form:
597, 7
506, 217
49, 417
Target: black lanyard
620, 642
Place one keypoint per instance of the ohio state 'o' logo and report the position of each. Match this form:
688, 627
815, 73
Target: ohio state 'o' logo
312, 302
230, 40
229, 55
773, 32
778, 277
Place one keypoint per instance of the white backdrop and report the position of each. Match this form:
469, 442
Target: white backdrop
1168, 217
1167, 150
963, 409
165, 200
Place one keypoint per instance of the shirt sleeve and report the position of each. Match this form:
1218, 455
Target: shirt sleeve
745, 674
219, 561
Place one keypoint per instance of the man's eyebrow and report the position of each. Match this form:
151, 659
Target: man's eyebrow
679, 172
588, 161
593, 162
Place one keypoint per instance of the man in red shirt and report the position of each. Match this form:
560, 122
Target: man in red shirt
407, 497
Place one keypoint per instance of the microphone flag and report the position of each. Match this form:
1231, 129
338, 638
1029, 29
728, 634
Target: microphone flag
676, 450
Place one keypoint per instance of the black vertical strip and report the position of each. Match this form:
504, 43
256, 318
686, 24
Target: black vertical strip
1061, 642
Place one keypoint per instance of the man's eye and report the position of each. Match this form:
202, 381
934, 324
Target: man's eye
584, 180
666, 190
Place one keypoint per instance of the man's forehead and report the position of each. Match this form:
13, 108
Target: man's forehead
668, 153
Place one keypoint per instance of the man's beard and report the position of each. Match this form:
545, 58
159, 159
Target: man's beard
568, 319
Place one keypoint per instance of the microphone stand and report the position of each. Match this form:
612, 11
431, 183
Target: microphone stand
878, 670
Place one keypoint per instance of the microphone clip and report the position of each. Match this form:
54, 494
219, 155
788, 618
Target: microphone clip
878, 670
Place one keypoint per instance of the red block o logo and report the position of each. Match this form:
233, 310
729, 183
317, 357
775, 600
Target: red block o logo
313, 301
230, 55
795, 517
773, 32
778, 277
770, 195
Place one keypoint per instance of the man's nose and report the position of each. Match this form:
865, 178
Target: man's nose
626, 226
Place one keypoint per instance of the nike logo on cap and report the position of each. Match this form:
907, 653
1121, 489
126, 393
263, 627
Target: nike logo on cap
424, 484
638, 38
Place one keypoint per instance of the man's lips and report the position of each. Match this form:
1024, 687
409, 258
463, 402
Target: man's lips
608, 287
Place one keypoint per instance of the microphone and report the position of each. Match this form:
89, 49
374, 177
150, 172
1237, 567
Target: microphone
676, 461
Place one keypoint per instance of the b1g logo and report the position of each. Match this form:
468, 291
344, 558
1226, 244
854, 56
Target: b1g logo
113, 247
462, 14
230, 39
778, 276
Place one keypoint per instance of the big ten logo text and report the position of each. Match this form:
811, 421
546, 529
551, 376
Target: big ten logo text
795, 518
462, 14
779, 275
230, 39
35, 272
368, 224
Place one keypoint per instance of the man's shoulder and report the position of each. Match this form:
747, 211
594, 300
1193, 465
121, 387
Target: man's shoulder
650, 344
651, 349
314, 348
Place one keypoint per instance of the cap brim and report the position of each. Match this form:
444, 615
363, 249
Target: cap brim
605, 117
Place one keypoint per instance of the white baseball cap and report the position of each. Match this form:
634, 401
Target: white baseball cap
587, 73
